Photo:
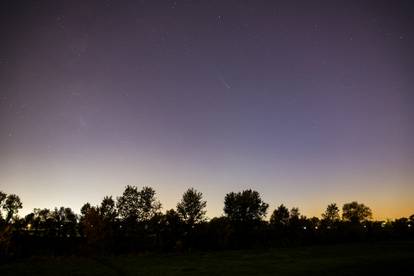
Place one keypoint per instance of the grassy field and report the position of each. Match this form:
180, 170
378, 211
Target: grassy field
386, 258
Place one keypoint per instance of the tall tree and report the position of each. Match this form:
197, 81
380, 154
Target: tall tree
294, 218
149, 204
65, 221
245, 206
331, 213
171, 230
98, 222
356, 212
93, 227
3, 197
11, 205
280, 216
44, 221
108, 209
85, 208
294, 213
138, 205
129, 203
191, 208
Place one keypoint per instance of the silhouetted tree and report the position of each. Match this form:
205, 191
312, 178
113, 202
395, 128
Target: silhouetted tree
149, 205
65, 222
143, 227
171, 231
140, 218
331, 214
401, 226
294, 214
98, 224
294, 218
314, 222
191, 208
172, 218
138, 205
220, 232
330, 218
30, 221
280, 216
296, 223
245, 206
129, 204
5, 227
108, 209
11, 205
3, 197
85, 208
245, 211
43, 222
355, 212
93, 227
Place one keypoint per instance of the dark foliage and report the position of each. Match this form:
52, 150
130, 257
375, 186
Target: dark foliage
134, 223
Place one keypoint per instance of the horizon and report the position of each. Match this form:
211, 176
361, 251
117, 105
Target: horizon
307, 103
210, 215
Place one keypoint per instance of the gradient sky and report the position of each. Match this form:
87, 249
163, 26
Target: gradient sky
308, 102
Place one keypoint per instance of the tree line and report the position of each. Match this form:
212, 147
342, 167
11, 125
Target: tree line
134, 222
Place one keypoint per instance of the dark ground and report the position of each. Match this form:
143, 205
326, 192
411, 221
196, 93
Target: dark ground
381, 258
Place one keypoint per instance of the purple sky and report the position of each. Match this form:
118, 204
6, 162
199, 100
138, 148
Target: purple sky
308, 102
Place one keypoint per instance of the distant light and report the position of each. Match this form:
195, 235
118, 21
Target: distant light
409, 225
304, 227
329, 227
316, 227
365, 226
29, 226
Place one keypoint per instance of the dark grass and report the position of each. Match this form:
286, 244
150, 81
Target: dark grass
381, 258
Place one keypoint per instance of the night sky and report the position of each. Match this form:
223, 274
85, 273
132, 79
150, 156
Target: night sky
308, 102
